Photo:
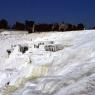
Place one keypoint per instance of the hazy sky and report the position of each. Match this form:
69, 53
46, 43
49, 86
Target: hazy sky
73, 11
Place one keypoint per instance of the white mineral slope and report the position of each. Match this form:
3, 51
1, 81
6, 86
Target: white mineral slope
70, 71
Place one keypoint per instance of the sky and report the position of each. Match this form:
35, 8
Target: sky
69, 11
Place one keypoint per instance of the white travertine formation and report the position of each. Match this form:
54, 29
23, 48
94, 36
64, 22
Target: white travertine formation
64, 63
